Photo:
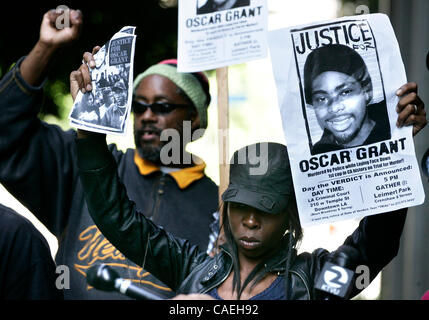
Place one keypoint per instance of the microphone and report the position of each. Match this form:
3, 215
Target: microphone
102, 277
337, 276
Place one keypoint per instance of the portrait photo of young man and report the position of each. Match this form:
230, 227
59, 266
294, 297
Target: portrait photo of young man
339, 89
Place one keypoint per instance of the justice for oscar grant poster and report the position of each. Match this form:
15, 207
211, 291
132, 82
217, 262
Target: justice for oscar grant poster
107, 107
336, 82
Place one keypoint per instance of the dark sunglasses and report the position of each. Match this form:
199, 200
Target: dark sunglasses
157, 107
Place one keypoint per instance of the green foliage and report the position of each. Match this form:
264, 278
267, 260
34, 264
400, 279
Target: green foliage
56, 102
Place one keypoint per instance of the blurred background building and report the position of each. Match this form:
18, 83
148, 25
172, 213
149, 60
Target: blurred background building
254, 111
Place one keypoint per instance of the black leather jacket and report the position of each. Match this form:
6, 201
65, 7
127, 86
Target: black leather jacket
182, 266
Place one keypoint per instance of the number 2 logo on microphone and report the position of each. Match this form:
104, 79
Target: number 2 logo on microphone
336, 277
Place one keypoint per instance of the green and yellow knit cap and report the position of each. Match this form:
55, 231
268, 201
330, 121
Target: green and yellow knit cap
194, 85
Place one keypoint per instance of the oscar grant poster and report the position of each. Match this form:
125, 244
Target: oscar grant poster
214, 34
106, 108
336, 82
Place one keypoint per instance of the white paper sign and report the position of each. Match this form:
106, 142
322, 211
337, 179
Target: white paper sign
218, 33
336, 83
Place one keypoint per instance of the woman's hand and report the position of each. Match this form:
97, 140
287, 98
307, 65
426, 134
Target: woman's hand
410, 108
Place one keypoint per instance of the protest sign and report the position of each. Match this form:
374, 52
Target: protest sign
336, 83
214, 34
106, 107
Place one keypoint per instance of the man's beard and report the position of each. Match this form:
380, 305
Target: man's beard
346, 138
148, 152
343, 139
153, 153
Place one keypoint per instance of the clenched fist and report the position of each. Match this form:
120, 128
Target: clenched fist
69, 21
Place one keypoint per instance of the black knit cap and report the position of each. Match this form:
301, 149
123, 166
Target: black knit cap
267, 190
